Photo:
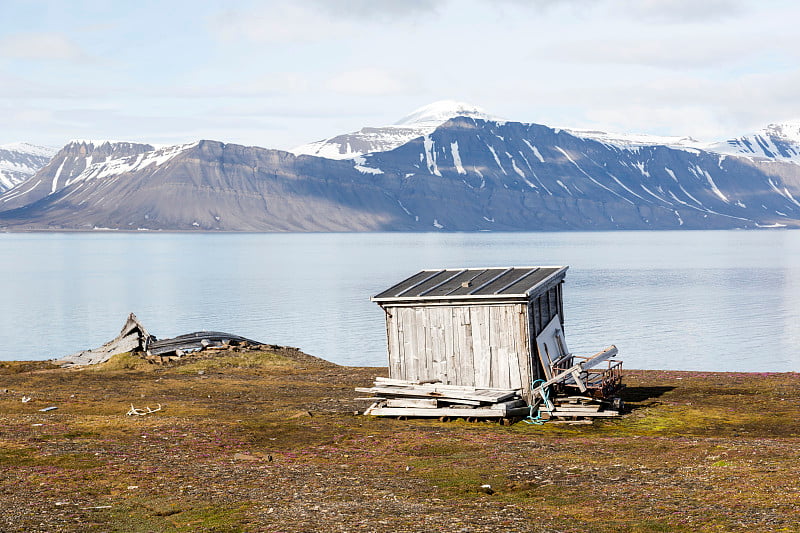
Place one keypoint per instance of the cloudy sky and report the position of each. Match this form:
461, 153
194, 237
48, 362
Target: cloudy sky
282, 73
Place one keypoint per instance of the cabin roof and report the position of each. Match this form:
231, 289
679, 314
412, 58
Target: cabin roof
474, 283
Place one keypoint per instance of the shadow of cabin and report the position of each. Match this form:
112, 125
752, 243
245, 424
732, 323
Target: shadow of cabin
642, 394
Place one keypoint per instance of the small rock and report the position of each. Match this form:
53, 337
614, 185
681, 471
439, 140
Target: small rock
486, 489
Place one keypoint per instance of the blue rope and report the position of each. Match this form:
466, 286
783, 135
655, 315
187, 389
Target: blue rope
538, 420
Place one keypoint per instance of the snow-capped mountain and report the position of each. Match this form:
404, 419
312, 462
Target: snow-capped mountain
469, 173
529, 176
64, 167
779, 142
419, 122
208, 185
19, 161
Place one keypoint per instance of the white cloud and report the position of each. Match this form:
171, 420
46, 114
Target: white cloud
679, 51
277, 83
41, 46
281, 23
366, 81
678, 11
379, 9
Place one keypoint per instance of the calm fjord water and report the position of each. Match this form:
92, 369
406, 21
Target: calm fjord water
671, 300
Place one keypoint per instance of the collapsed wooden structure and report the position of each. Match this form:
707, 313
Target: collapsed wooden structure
475, 331
134, 338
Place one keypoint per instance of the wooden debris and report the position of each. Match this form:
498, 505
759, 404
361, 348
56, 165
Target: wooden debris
403, 399
433, 399
134, 338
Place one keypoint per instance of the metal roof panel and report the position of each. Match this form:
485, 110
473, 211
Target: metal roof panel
472, 283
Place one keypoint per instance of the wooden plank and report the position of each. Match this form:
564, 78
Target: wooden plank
402, 342
515, 314
416, 362
393, 381
482, 342
412, 402
465, 344
452, 370
562, 407
421, 392
437, 349
438, 412
393, 346
498, 347
591, 414
438, 385
474, 403
446, 387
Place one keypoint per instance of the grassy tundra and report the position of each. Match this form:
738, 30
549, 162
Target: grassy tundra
267, 440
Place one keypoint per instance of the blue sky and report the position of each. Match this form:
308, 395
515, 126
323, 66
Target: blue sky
279, 74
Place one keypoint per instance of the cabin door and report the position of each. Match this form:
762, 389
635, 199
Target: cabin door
551, 345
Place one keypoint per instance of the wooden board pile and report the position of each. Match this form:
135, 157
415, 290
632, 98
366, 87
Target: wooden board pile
573, 407
400, 398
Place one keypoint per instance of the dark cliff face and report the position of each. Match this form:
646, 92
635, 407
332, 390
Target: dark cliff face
468, 175
476, 175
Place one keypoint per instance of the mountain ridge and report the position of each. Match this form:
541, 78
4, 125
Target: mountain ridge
469, 173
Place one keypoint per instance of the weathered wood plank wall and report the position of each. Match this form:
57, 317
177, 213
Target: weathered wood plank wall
472, 345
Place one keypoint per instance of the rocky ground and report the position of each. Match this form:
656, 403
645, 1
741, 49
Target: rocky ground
266, 440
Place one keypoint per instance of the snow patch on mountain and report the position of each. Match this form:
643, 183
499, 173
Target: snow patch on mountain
633, 141
778, 141
457, 158
30, 149
361, 166
20, 161
116, 167
418, 123
437, 113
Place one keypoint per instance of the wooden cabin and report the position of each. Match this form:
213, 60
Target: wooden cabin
478, 327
